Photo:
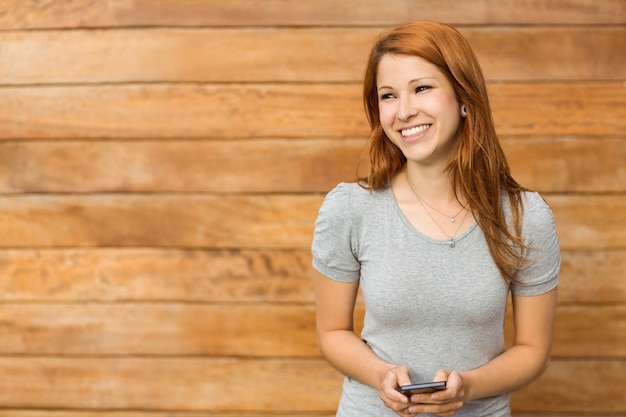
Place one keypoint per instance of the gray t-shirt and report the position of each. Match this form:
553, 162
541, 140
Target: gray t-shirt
428, 306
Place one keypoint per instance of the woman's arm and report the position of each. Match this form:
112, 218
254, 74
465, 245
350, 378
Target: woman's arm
340, 346
345, 351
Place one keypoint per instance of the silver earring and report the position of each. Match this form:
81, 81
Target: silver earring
463, 111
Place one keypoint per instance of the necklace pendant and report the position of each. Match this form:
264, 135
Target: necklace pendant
452, 219
451, 244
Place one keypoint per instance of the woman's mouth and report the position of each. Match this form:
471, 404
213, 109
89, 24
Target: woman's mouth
413, 131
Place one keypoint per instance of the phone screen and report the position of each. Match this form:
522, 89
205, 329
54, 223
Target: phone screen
422, 388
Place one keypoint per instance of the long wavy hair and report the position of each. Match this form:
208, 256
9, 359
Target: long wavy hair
478, 168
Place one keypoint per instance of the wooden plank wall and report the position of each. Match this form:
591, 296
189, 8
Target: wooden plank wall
161, 167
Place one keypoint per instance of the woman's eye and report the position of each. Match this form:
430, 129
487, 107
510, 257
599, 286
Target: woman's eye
422, 88
386, 96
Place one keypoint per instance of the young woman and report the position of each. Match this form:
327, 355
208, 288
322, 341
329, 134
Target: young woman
436, 236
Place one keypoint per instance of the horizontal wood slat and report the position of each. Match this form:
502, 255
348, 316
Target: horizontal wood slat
589, 222
144, 275
105, 13
603, 327
221, 166
575, 165
265, 221
576, 387
162, 384
276, 165
320, 110
291, 54
217, 384
284, 221
593, 277
158, 275
158, 329
241, 330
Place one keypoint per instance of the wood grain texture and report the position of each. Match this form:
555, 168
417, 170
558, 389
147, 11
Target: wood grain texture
262, 221
291, 54
153, 275
181, 166
184, 384
195, 384
593, 277
310, 110
159, 329
107, 13
600, 390
279, 221
573, 165
589, 222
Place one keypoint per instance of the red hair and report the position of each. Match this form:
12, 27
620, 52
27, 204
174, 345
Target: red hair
478, 168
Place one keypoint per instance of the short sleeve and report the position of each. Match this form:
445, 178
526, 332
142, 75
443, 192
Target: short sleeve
332, 246
544, 258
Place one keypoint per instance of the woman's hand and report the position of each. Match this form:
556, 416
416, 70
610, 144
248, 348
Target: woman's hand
441, 403
389, 394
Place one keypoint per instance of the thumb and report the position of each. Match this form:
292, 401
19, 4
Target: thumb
441, 375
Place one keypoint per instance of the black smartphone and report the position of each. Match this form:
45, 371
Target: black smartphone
425, 387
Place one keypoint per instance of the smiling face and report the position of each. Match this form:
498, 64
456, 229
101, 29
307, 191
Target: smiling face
418, 108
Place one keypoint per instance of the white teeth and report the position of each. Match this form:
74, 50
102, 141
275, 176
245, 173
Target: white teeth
414, 130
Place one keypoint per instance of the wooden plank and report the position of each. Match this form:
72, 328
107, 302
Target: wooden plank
576, 387
589, 222
291, 54
568, 164
553, 53
591, 331
220, 166
232, 111
158, 329
239, 221
175, 111
106, 13
593, 277
192, 384
156, 275
242, 330
96, 275
542, 111
577, 332
196, 384
229, 221
259, 165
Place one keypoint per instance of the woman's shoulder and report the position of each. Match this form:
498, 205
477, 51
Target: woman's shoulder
534, 203
537, 217
354, 192
350, 201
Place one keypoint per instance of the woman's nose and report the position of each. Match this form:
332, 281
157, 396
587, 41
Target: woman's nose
407, 108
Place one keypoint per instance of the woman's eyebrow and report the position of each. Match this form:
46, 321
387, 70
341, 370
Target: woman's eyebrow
413, 81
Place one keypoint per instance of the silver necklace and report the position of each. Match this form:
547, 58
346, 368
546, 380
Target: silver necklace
451, 243
452, 218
